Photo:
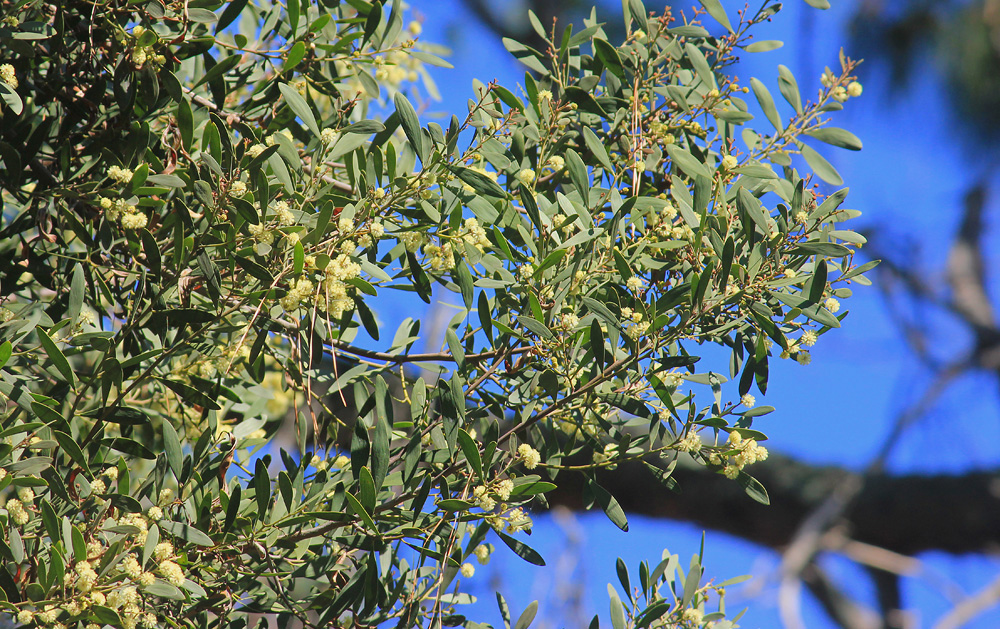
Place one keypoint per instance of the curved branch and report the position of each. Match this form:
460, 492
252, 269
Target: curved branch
905, 514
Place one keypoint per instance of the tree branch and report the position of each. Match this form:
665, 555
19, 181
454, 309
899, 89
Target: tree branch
906, 514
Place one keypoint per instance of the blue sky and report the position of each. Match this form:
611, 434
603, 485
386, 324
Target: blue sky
908, 181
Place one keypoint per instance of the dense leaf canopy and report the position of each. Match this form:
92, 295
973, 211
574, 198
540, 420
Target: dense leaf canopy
205, 207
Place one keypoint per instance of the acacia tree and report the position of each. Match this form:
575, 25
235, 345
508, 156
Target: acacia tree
204, 204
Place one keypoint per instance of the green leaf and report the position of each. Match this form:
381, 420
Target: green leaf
295, 55
366, 490
11, 98
129, 446
610, 505
229, 14
837, 137
700, 64
536, 327
57, 357
823, 169
578, 174
819, 4
6, 349
687, 162
527, 616
597, 147
382, 434
617, 610
411, 125
522, 550
365, 127
714, 8
754, 488
763, 96
299, 107
526, 55
479, 182
532, 488
360, 511
663, 476
789, 88
253, 269
172, 448
471, 451
191, 395
105, 615
766, 103
72, 448
454, 504
765, 45
213, 279
608, 55
76, 292
186, 532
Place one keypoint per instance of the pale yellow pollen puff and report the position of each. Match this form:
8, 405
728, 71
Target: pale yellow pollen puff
529, 455
119, 174
748, 400
163, 550
134, 220
8, 76
468, 570
545, 95
854, 89
165, 496
171, 572
808, 338
729, 162
504, 488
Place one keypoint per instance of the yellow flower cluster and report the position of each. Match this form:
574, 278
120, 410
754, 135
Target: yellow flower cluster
283, 212
690, 443
482, 553
747, 452
338, 272
526, 176
412, 240
482, 498
123, 212
442, 257
120, 175
142, 54
529, 456
8, 76
261, 233
301, 290
18, 514
474, 234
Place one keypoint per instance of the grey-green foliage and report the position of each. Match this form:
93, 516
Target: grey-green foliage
203, 211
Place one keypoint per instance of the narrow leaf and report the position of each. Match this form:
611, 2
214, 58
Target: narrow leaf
299, 106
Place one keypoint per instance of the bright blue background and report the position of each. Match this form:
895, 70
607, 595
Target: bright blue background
908, 181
